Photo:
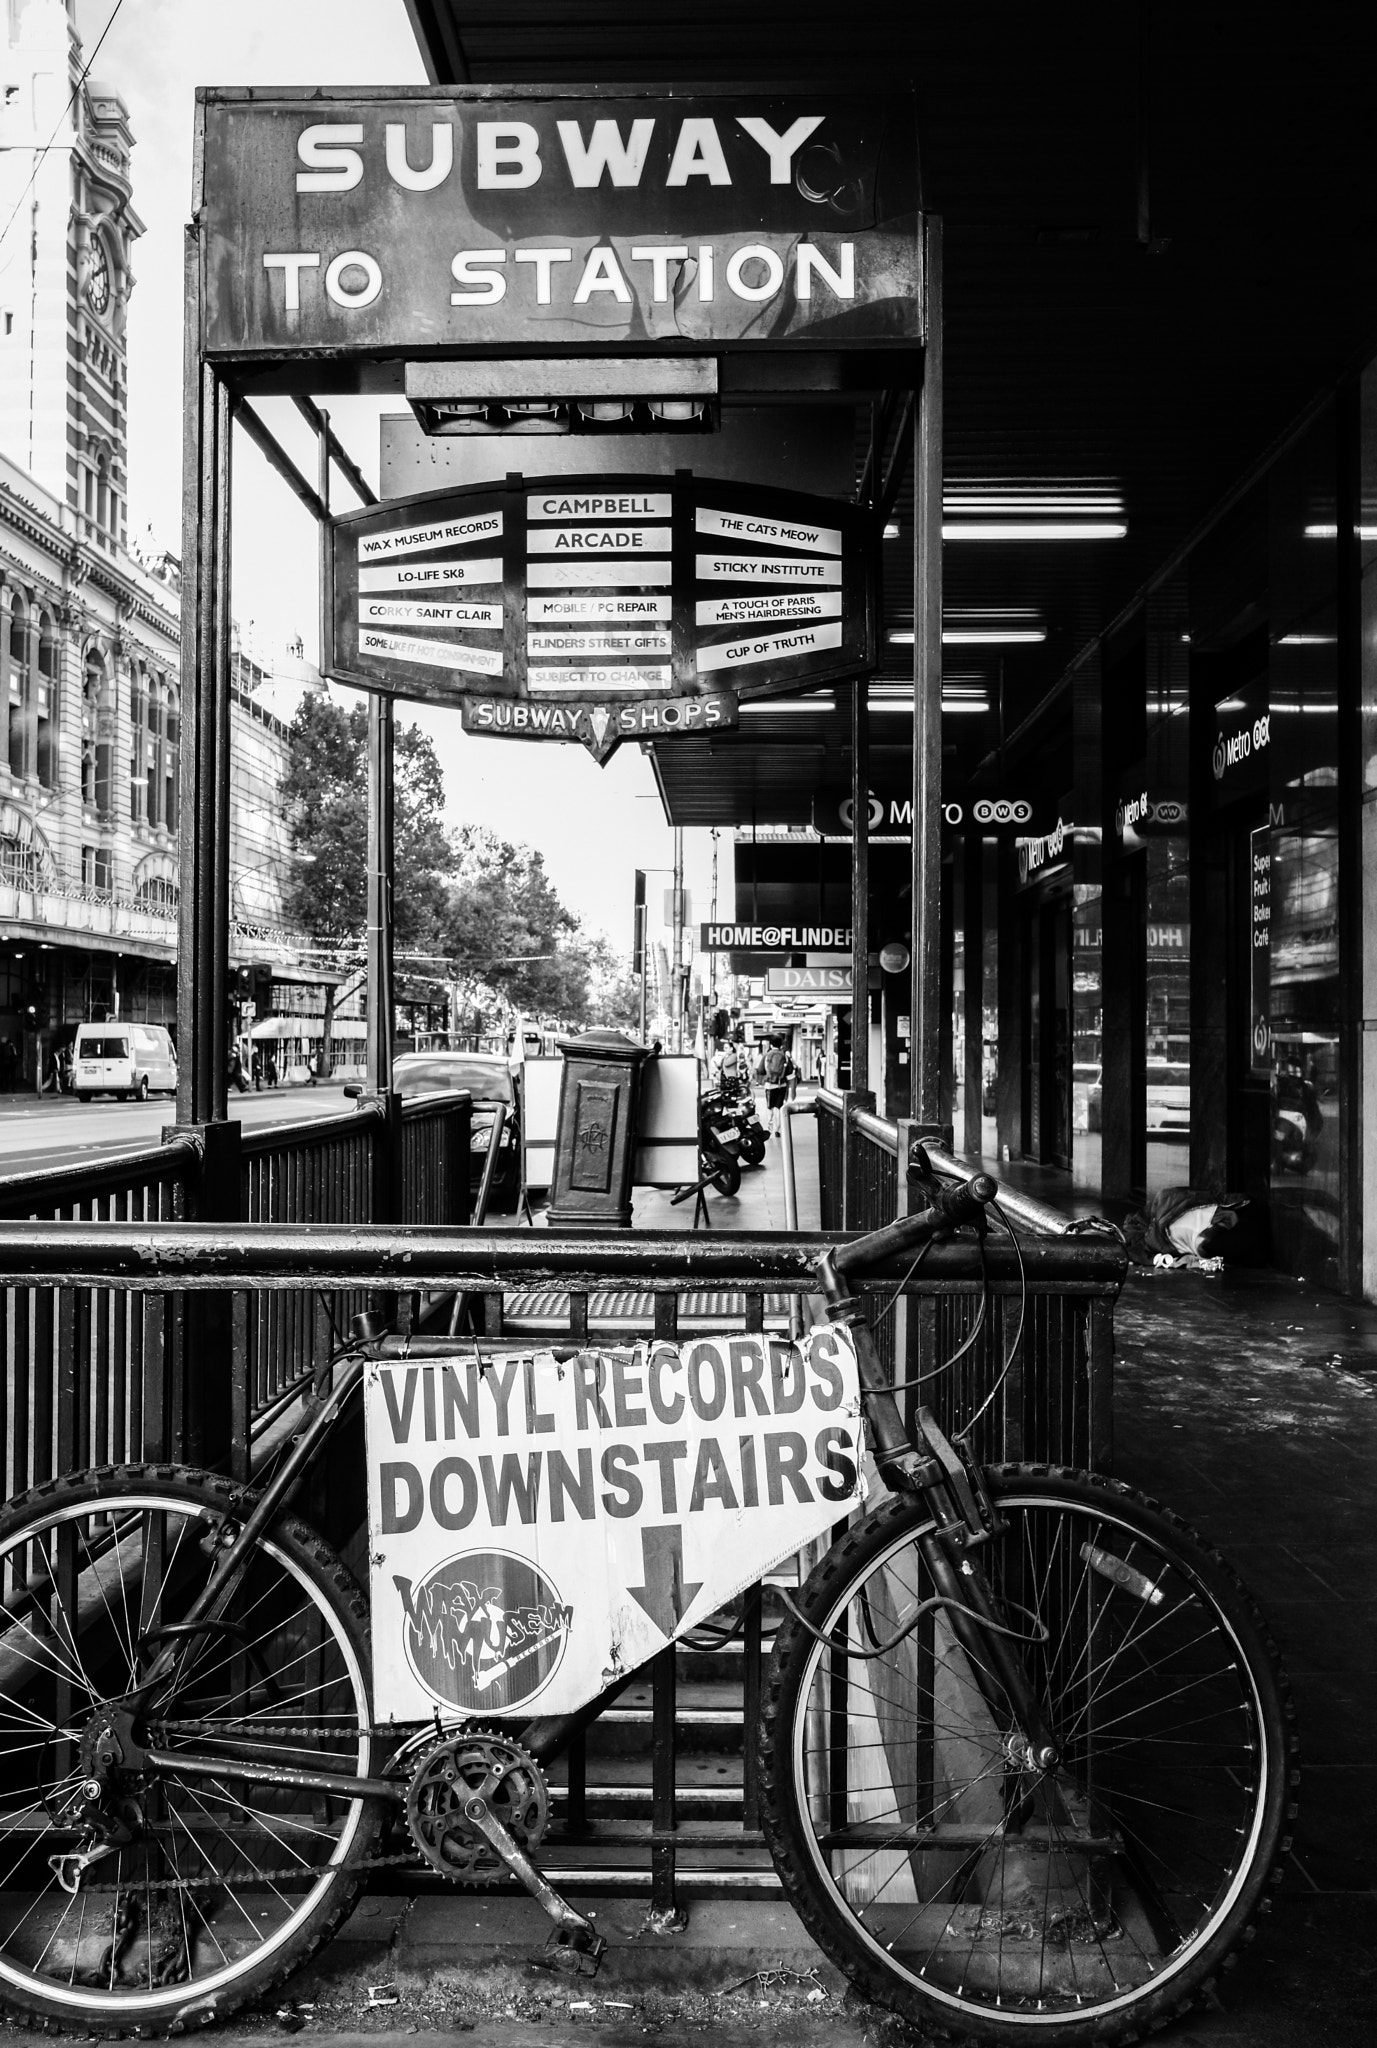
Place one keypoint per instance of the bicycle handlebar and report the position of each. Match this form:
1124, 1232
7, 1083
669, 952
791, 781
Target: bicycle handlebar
947, 1208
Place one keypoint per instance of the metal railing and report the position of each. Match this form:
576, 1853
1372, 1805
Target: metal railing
98, 1375
1055, 1404
608, 1835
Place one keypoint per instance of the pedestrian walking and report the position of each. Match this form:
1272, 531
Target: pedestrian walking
779, 1070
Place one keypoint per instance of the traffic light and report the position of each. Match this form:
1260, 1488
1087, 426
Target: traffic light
262, 990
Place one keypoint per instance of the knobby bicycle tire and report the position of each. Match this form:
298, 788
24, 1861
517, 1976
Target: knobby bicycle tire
195, 1913
980, 1898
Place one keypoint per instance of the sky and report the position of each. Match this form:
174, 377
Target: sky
593, 825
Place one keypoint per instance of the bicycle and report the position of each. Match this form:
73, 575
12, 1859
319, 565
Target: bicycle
1027, 1757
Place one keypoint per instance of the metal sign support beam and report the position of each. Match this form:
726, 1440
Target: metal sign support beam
925, 996
860, 884
204, 837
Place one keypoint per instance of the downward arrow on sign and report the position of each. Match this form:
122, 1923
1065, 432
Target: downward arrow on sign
664, 1596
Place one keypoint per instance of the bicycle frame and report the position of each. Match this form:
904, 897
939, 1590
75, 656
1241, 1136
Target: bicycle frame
928, 1468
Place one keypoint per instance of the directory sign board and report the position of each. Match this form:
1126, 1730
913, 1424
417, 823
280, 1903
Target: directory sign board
600, 608
449, 220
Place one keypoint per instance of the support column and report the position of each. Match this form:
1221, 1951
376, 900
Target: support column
381, 991
202, 1326
203, 839
860, 886
1009, 970
925, 1003
972, 1022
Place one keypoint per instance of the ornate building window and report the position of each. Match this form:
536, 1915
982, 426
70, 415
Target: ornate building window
46, 703
138, 743
96, 718
16, 682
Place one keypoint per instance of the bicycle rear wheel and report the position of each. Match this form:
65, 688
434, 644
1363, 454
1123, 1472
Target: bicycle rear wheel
983, 1898
209, 1889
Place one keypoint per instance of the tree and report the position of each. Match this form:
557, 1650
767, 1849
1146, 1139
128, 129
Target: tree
507, 930
326, 794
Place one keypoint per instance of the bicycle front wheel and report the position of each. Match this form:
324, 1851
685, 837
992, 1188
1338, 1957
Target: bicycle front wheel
972, 1893
204, 1889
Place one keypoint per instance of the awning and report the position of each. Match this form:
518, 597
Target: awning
308, 1027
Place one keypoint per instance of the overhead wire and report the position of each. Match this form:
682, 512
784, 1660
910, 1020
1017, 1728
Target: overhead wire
40, 155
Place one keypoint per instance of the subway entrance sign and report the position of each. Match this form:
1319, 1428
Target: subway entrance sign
599, 608
434, 222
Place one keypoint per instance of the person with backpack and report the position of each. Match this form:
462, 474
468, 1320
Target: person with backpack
777, 1072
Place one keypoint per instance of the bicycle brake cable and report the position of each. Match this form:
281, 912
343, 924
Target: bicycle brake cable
901, 1635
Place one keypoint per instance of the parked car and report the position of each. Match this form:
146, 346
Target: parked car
122, 1059
488, 1079
1086, 1098
1168, 1099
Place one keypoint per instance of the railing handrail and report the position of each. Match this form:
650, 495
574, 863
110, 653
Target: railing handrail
878, 1129
883, 1133
162, 1257
418, 1106
119, 1173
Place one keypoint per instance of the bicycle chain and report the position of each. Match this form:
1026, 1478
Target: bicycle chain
159, 1886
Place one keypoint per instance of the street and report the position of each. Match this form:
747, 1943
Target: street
47, 1131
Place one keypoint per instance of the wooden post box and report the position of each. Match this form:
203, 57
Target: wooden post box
595, 1144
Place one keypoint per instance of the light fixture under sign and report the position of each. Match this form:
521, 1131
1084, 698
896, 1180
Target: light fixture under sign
565, 395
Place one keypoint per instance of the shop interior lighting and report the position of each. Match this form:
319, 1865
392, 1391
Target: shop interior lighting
892, 530
1331, 532
1308, 640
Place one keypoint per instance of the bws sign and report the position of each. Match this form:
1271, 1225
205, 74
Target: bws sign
538, 1526
446, 219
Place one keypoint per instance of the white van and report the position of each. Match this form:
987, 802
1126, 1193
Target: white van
122, 1059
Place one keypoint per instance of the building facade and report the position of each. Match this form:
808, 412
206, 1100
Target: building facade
90, 628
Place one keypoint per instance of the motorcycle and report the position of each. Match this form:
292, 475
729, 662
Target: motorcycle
723, 1142
738, 1099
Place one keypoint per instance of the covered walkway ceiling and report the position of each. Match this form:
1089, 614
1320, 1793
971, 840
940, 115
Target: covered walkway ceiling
1161, 242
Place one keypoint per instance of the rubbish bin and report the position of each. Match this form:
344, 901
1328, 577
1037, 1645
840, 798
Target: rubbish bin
595, 1140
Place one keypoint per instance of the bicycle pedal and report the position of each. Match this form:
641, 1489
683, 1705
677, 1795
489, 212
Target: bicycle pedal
576, 1951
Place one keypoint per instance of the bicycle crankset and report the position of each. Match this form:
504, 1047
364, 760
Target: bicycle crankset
446, 1777
477, 1804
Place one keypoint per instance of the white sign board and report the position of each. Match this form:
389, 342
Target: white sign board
538, 1527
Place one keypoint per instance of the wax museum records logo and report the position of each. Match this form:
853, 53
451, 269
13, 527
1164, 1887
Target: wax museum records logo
485, 1631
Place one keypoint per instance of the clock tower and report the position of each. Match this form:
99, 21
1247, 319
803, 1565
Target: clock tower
65, 273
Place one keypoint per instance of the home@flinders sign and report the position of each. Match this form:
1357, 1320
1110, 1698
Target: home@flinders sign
366, 228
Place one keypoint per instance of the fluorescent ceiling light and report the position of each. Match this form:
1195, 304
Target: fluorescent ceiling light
977, 636
992, 636
769, 704
1030, 529
1308, 640
1332, 532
